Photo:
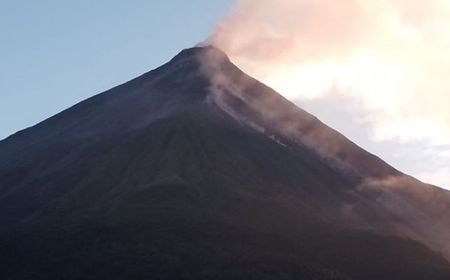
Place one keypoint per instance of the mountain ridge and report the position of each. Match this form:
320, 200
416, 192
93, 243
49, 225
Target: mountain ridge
198, 143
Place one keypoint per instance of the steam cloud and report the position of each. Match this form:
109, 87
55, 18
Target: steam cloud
390, 57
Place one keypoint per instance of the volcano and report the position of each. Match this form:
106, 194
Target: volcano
197, 171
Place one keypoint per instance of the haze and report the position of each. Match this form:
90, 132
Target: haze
375, 70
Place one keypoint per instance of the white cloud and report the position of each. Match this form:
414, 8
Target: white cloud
392, 55
438, 176
389, 56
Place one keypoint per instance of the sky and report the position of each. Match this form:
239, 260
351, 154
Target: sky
56, 53
374, 70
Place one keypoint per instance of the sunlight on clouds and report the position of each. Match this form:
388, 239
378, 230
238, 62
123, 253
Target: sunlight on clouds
390, 56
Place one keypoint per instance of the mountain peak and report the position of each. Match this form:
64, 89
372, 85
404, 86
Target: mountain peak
199, 58
202, 52
195, 163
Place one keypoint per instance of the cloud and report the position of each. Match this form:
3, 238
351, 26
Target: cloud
439, 176
390, 56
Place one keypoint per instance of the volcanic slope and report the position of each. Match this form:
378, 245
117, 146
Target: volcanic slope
197, 171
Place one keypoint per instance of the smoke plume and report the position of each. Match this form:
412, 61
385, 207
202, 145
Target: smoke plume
390, 57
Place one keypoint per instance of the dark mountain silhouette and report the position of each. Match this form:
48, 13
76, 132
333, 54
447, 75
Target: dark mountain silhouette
197, 171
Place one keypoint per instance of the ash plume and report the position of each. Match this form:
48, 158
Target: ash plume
389, 57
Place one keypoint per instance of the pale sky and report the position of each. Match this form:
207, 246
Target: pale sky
56, 53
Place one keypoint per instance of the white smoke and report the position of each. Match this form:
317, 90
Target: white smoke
390, 57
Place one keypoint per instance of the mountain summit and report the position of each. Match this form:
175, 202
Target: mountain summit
197, 171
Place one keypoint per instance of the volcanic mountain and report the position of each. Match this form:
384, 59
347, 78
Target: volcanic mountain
197, 171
